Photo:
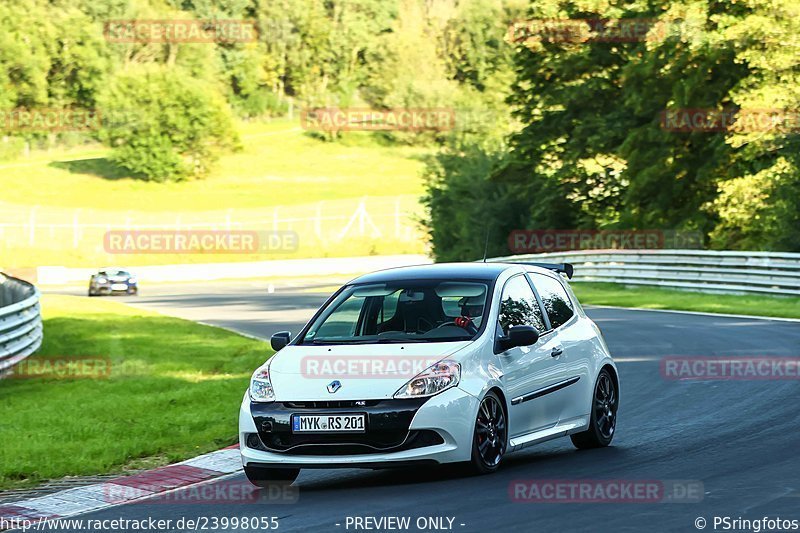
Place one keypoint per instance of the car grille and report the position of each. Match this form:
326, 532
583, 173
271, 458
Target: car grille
388, 427
332, 404
299, 445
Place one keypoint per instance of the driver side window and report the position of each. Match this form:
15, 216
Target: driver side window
518, 306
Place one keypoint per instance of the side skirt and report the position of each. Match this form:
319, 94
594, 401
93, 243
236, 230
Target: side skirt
562, 429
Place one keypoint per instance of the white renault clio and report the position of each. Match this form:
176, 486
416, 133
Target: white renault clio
431, 364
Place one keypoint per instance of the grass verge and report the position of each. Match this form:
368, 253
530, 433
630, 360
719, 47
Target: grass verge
618, 295
358, 196
173, 393
279, 165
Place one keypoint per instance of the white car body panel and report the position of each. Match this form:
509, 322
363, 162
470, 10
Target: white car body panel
294, 370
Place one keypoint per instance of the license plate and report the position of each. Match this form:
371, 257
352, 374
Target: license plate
119, 287
342, 423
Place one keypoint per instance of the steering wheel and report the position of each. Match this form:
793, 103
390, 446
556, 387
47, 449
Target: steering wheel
463, 322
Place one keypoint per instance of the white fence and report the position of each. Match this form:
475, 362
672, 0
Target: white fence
20, 321
710, 271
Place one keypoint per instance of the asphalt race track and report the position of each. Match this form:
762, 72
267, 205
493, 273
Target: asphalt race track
739, 438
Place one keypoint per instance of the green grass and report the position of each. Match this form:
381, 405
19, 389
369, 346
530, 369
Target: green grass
617, 295
173, 393
78, 195
279, 165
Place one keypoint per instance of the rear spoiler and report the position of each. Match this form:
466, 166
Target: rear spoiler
561, 268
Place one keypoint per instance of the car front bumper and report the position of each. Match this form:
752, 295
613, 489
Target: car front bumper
450, 414
109, 289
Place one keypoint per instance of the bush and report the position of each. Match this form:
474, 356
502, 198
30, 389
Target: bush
759, 211
466, 206
164, 125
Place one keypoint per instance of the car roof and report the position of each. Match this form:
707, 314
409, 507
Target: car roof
448, 271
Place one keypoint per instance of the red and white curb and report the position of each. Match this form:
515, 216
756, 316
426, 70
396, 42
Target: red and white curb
125, 489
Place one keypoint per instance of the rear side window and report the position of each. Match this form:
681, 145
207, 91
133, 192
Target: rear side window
518, 306
554, 297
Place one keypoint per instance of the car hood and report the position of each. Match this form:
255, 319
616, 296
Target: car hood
364, 371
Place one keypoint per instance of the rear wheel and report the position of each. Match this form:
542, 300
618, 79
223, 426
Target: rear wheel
603, 418
265, 477
491, 435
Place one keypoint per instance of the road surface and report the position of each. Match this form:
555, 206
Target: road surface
740, 439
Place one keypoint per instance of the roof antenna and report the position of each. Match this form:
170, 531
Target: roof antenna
486, 245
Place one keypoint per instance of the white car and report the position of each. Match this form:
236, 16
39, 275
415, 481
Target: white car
442, 363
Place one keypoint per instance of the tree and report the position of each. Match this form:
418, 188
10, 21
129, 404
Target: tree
164, 125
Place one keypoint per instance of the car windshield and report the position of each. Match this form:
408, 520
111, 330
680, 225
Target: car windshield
402, 311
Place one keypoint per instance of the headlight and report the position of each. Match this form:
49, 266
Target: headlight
132, 281
439, 377
102, 280
260, 386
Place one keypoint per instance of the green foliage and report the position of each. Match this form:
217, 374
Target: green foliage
759, 211
164, 125
464, 207
592, 152
307, 53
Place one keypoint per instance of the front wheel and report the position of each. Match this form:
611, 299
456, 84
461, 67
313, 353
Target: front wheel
265, 477
603, 417
491, 435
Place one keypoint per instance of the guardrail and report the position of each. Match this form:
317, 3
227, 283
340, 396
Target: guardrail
709, 271
20, 321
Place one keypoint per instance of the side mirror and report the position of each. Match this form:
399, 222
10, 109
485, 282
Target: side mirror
280, 340
517, 336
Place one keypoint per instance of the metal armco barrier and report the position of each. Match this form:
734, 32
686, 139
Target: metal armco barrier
735, 272
20, 321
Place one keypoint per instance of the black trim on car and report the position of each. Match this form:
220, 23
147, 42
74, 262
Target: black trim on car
545, 390
369, 465
387, 428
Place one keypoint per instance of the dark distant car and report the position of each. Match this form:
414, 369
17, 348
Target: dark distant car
113, 281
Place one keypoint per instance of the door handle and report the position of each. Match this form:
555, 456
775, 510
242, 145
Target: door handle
555, 352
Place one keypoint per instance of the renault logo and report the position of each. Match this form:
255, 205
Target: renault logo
333, 386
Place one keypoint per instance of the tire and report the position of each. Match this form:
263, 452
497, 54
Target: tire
603, 416
266, 477
490, 437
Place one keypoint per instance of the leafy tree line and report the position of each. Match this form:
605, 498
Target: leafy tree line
168, 109
591, 151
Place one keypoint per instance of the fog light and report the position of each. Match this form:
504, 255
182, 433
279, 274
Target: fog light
254, 442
